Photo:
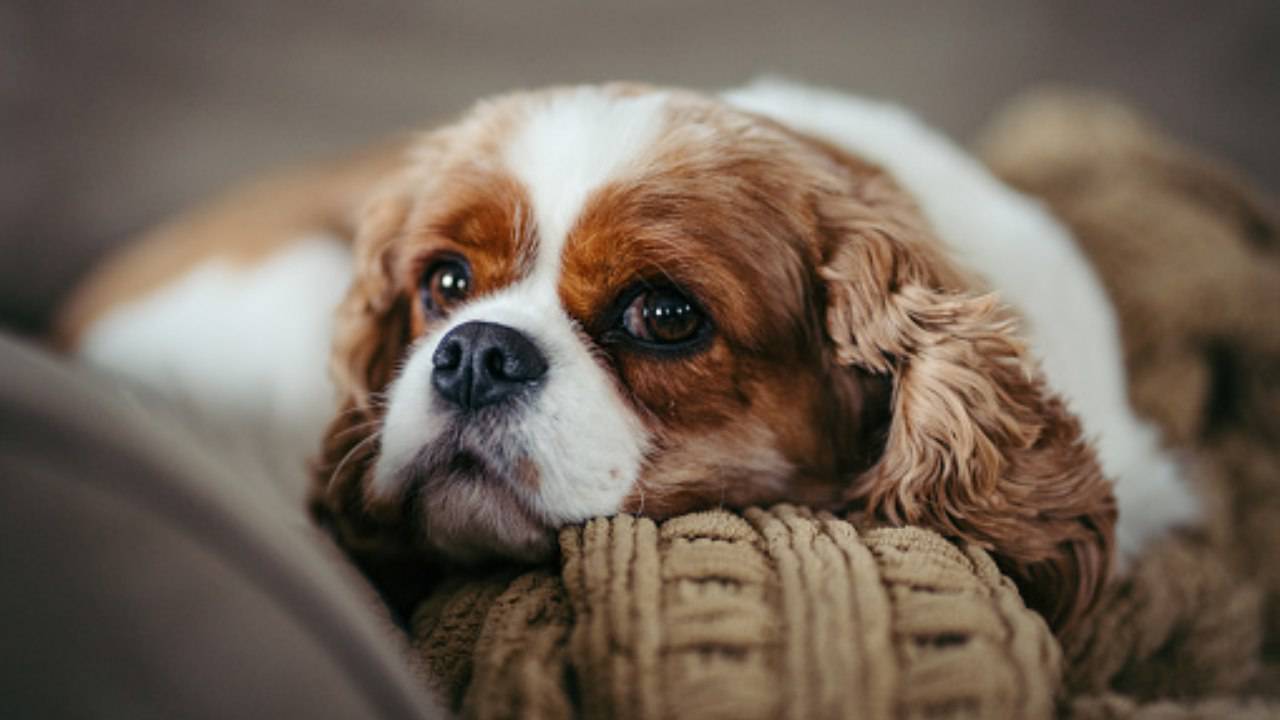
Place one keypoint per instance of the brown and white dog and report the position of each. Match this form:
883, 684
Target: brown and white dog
592, 300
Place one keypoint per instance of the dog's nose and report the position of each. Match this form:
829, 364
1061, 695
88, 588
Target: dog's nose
482, 363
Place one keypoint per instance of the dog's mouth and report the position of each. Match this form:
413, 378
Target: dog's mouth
471, 504
467, 464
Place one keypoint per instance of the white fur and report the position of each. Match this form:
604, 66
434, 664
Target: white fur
245, 349
1032, 261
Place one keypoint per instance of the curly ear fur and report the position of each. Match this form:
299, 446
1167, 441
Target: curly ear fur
371, 330
977, 447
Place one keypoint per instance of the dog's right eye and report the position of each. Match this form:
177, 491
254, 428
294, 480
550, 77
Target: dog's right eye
659, 319
446, 283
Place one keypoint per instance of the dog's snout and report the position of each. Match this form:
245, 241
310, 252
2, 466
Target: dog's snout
482, 363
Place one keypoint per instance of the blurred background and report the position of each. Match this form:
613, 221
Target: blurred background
117, 114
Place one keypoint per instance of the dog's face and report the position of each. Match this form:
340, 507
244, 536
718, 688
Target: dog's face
598, 300
611, 300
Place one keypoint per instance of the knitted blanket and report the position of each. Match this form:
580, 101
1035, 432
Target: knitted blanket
776, 613
782, 612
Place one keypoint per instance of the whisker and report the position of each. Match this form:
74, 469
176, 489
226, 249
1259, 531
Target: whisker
358, 447
373, 405
357, 428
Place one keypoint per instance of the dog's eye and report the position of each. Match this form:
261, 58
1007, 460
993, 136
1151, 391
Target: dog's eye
445, 284
662, 316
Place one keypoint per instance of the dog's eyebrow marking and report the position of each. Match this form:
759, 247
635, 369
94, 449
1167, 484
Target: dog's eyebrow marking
577, 142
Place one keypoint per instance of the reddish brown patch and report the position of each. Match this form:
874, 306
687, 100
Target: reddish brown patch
484, 221
759, 414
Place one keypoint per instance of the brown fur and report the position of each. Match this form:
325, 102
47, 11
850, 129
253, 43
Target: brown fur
978, 447
735, 423
373, 329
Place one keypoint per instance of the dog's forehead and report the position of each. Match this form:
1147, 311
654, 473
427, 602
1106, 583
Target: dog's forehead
613, 185
619, 178
571, 145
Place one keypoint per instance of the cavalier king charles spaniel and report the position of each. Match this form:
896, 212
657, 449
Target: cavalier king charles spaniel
585, 301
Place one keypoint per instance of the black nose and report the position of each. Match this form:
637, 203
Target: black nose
481, 363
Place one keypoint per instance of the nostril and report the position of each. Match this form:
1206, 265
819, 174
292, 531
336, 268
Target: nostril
524, 366
520, 360
495, 363
448, 356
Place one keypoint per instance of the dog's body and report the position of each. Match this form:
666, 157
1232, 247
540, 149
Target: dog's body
248, 340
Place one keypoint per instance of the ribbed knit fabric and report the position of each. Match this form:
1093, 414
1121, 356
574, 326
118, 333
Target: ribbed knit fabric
772, 614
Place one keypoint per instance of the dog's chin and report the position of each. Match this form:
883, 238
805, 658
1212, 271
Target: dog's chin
471, 513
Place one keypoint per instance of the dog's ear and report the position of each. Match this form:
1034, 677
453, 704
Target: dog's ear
372, 322
372, 328
977, 447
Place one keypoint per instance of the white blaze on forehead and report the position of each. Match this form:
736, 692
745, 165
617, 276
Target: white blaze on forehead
569, 147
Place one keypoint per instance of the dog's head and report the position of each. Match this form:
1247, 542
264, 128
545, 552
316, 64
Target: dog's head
597, 300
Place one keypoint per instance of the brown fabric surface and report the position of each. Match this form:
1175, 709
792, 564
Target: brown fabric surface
1203, 351
777, 613
1180, 625
781, 613
1116, 707
1191, 257
1189, 254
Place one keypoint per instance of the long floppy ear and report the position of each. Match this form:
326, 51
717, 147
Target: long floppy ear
977, 446
372, 329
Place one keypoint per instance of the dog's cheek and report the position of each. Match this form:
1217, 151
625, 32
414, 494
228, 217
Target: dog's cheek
736, 465
732, 429
687, 394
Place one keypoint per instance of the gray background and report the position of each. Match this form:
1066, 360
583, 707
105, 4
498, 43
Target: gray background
117, 113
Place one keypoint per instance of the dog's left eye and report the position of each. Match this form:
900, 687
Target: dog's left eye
445, 284
662, 316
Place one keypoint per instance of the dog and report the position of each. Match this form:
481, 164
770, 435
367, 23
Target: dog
592, 300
